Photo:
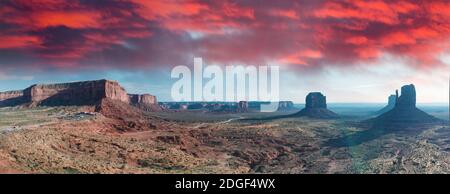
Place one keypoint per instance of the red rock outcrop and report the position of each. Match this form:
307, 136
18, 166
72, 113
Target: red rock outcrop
75, 93
11, 94
125, 117
144, 101
12, 98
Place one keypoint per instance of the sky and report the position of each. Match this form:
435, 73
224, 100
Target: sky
352, 51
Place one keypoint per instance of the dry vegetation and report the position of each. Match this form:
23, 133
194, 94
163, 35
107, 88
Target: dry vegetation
60, 140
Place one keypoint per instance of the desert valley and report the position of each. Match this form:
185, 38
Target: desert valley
97, 127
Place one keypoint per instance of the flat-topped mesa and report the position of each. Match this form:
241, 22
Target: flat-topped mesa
76, 93
142, 99
72, 94
316, 100
316, 107
11, 98
11, 94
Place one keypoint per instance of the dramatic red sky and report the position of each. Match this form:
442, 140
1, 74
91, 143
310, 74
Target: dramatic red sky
328, 40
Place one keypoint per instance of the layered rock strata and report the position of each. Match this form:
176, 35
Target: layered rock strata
74, 94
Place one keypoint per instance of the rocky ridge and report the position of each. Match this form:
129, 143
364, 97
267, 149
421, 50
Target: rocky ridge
88, 93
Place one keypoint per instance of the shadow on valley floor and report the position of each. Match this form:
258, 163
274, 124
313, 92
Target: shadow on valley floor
357, 138
370, 134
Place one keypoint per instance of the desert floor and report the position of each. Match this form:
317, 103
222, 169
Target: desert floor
70, 140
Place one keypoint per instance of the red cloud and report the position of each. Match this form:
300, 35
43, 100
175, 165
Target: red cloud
233, 10
397, 38
167, 32
164, 9
357, 40
73, 19
285, 13
17, 41
363, 11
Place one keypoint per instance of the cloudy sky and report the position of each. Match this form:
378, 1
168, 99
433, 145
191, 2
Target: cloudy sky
353, 51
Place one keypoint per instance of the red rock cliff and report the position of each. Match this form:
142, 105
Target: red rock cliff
11, 94
75, 93
144, 101
11, 98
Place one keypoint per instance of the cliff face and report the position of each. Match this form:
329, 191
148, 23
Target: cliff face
10, 94
142, 99
408, 98
316, 100
116, 92
76, 93
405, 114
12, 98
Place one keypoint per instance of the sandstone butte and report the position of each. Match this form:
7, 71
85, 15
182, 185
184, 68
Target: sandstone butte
316, 107
82, 93
404, 114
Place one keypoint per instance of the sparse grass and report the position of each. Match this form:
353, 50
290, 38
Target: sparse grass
23, 117
288, 145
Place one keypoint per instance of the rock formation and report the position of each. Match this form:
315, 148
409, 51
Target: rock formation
285, 106
316, 100
145, 101
405, 114
407, 100
12, 98
316, 107
75, 93
242, 106
391, 104
142, 99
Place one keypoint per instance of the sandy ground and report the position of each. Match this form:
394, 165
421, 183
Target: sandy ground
58, 140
